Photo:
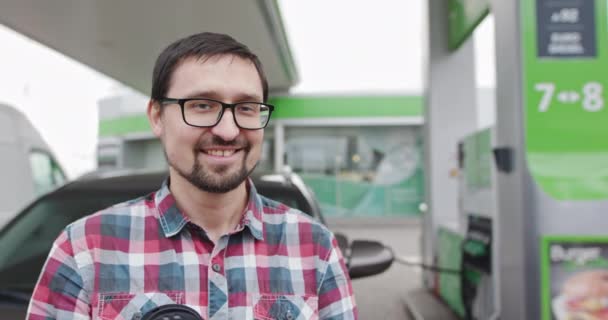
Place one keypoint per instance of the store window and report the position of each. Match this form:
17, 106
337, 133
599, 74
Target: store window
107, 155
47, 174
359, 171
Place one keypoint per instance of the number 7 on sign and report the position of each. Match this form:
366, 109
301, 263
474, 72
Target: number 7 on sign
548, 89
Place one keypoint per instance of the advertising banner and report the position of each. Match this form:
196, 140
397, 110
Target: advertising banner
574, 272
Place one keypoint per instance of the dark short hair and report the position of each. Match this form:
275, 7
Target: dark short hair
202, 46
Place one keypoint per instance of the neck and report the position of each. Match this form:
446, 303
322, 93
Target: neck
217, 213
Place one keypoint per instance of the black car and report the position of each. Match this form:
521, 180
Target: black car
27, 239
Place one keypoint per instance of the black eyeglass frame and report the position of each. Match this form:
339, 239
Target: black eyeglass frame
231, 106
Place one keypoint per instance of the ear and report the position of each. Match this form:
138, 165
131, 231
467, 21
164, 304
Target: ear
155, 117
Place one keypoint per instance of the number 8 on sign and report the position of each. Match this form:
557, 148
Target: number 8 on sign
592, 97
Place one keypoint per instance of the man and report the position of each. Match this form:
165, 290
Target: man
206, 239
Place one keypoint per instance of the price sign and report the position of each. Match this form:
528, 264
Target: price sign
565, 28
566, 118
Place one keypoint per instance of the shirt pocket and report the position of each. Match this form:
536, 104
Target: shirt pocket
286, 307
126, 306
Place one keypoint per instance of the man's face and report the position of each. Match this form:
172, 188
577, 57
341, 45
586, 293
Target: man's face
220, 158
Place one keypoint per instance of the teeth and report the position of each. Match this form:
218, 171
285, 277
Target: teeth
221, 153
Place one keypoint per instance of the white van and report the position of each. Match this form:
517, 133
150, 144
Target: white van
27, 165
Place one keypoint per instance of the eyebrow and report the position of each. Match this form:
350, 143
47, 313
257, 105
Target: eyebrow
215, 95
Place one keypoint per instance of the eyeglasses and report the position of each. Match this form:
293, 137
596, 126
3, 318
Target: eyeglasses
205, 113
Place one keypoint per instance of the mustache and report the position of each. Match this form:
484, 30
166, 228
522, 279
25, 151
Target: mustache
215, 141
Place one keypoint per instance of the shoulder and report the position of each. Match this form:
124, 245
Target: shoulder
112, 220
280, 219
278, 213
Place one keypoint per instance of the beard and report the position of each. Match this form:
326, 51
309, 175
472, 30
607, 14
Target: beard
217, 179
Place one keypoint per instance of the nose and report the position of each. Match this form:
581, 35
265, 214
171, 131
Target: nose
226, 128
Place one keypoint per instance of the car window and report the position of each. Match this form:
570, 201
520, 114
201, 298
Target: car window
33, 233
45, 171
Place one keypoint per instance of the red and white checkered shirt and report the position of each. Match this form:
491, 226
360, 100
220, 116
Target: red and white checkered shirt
130, 258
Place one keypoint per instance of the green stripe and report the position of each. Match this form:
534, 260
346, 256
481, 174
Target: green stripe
124, 125
337, 107
299, 107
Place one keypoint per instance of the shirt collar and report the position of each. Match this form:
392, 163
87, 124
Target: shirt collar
172, 220
254, 213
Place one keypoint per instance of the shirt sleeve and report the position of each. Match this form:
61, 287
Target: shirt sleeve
336, 297
59, 293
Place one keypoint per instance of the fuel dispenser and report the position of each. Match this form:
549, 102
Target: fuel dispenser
531, 237
469, 247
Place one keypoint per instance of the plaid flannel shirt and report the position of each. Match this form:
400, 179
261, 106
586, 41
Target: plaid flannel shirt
125, 260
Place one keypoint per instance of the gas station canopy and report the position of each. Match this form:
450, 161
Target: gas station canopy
123, 38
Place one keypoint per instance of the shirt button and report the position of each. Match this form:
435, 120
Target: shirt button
216, 267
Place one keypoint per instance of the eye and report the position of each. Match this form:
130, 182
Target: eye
202, 106
248, 108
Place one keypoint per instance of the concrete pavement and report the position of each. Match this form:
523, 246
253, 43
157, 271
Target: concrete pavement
383, 296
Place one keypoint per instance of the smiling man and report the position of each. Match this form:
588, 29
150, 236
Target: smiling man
206, 239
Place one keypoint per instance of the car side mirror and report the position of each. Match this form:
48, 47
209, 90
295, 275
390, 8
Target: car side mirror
367, 258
